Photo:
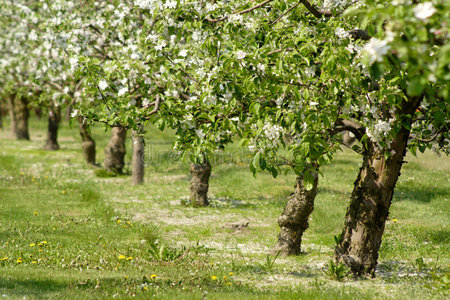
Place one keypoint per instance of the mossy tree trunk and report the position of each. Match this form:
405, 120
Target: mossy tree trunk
115, 151
19, 113
54, 118
87, 142
294, 219
370, 201
200, 183
137, 164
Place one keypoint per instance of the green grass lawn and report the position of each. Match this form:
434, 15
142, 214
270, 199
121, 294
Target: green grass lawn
66, 233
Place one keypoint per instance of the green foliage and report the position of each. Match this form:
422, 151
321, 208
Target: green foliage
337, 271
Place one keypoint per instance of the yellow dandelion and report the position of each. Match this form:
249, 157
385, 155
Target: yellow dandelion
153, 276
64, 192
44, 242
32, 244
118, 221
35, 213
129, 258
225, 277
40, 244
121, 256
214, 277
19, 260
145, 288
231, 273
34, 262
395, 220
228, 283
33, 179
4, 258
40, 250
126, 277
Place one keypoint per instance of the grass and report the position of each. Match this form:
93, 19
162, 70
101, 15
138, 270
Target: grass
67, 233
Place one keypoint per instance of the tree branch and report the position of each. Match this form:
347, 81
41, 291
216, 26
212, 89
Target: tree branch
350, 125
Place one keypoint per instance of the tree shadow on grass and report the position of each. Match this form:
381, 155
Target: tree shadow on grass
414, 191
17, 287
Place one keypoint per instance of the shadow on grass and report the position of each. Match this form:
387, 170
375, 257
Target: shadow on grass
414, 191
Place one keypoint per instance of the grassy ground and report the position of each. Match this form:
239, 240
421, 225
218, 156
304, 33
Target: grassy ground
66, 233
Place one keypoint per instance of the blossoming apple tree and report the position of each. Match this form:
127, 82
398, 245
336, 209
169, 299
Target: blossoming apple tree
289, 77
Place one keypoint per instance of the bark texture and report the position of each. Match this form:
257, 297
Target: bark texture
87, 142
294, 219
19, 117
370, 201
115, 151
54, 118
137, 164
200, 183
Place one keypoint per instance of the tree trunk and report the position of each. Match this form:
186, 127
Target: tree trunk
370, 201
294, 219
19, 117
200, 183
137, 165
88, 143
54, 117
115, 151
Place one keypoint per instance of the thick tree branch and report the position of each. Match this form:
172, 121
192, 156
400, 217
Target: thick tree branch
350, 125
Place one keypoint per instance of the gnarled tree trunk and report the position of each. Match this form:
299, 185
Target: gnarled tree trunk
19, 117
370, 201
54, 117
115, 151
1, 116
294, 219
88, 143
200, 183
137, 164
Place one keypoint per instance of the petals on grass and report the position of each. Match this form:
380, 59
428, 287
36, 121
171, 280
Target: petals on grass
214, 277
153, 276
121, 256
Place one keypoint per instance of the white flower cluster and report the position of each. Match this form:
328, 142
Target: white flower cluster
342, 33
424, 10
375, 49
272, 131
334, 4
380, 130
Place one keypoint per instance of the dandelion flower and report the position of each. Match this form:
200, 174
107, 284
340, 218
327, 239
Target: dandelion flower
19, 260
64, 192
145, 288
35, 213
395, 220
4, 258
231, 273
118, 221
214, 277
121, 256
34, 262
32, 244
44, 242
153, 276
129, 258
228, 283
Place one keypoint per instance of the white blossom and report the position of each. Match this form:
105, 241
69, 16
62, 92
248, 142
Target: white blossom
375, 49
102, 85
74, 113
183, 53
161, 44
122, 91
171, 4
342, 33
241, 54
424, 10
